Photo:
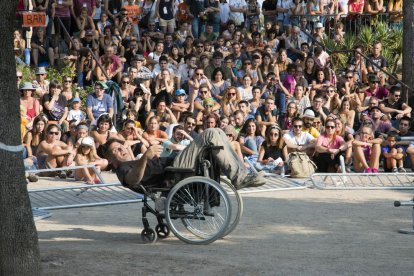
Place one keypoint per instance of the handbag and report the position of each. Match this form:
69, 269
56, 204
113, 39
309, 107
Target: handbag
143, 23
300, 165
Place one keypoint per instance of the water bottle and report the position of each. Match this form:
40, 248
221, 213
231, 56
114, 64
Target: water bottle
282, 171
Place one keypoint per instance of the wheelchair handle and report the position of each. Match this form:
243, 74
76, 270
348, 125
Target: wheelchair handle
404, 203
405, 138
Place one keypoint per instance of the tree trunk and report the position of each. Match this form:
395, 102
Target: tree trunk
408, 49
19, 252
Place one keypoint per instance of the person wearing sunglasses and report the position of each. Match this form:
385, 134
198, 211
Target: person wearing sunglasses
394, 106
53, 153
375, 89
298, 140
329, 146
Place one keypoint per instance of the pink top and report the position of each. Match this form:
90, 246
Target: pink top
324, 141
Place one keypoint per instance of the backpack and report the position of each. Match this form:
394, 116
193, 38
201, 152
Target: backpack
300, 165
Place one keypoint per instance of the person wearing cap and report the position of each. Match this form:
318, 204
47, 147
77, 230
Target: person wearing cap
298, 140
31, 105
375, 89
308, 117
76, 113
41, 84
180, 103
98, 102
86, 155
319, 32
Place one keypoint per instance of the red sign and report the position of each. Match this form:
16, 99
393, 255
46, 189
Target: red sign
34, 19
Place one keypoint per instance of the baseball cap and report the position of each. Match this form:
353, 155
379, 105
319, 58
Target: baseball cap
179, 92
87, 141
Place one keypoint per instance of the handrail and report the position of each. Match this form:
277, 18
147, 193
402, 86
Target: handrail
90, 50
363, 55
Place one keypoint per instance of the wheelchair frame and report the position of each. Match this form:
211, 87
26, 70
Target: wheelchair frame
201, 187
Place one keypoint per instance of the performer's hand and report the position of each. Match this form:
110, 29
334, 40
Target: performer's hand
154, 151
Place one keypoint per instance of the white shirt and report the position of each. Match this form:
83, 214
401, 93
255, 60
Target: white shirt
304, 138
237, 17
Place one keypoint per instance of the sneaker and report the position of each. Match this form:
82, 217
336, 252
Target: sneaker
394, 170
70, 174
368, 170
62, 175
348, 169
373, 170
253, 180
32, 177
160, 204
402, 170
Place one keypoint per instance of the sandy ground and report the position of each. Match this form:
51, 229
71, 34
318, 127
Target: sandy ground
312, 232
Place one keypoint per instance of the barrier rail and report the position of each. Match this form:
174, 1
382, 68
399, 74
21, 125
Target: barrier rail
363, 181
97, 172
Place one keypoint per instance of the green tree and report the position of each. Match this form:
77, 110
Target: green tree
19, 252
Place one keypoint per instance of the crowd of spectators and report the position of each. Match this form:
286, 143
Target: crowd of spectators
258, 72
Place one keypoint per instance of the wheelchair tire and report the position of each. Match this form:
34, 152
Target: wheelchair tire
198, 210
236, 202
163, 231
149, 235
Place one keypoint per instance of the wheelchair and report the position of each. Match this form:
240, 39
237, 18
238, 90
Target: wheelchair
201, 205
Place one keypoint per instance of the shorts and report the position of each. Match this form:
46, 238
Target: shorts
165, 23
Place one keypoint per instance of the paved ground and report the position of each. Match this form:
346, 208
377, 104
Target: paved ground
312, 232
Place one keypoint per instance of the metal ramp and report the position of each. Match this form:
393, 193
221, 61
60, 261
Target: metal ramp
82, 196
275, 183
362, 181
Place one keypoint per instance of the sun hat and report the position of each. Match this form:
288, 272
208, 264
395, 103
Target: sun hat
27, 86
309, 114
40, 70
87, 141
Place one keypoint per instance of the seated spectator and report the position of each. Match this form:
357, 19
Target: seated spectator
53, 153
27, 100
43, 49
20, 50
346, 113
164, 88
308, 118
394, 106
84, 23
367, 151
230, 100
205, 114
232, 135
33, 137
132, 136
204, 94
272, 155
69, 137
393, 154
41, 83
55, 106
219, 84
267, 114
102, 132
250, 139
318, 109
300, 98
245, 90
292, 112
178, 142
153, 134
112, 64
98, 102
256, 101
76, 113
86, 155
163, 114
180, 103
297, 140
346, 134
212, 120
329, 147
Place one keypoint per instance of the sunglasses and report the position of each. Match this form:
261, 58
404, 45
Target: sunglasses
232, 94
200, 46
191, 124
229, 135
330, 127
297, 126
274, 134
19, 77
203, 91
349, 77
126, 82
53, 133
198, 74
68, 81
247, 63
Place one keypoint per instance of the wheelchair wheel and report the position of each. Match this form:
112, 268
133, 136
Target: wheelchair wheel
198, 210
162, 230
149, 235
236, 202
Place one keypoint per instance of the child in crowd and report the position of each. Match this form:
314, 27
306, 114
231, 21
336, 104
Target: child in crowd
76, 113
393, 155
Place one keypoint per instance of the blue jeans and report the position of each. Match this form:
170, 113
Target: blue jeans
26, 54
281, 102
197, 27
